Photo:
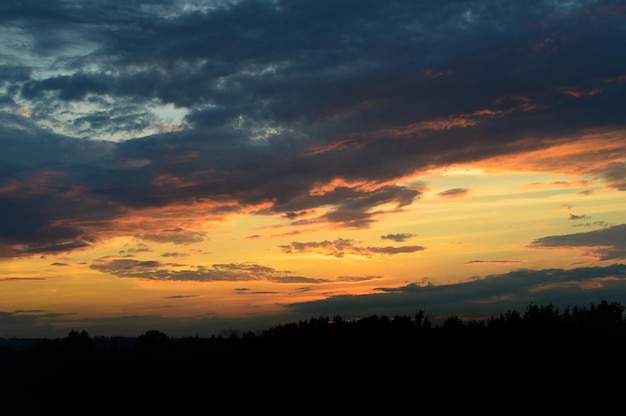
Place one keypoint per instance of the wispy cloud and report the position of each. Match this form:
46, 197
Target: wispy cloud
493, 261
155, 270
453, 193
343, 247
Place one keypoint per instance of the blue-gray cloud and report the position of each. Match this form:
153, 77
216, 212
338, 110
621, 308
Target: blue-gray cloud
482, 299
606, 243
113, 106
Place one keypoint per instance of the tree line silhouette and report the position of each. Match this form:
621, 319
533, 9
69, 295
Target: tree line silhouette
542, 339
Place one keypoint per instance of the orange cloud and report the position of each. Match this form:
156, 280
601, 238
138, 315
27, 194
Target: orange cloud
589, 154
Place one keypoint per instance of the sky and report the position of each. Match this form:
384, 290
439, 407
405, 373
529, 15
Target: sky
220, 166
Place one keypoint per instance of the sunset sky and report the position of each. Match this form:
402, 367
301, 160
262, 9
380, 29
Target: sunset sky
199, 167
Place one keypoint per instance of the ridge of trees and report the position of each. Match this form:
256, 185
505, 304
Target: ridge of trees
542, 340
604, 319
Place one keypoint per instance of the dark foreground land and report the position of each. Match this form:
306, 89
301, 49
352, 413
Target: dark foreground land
576, 358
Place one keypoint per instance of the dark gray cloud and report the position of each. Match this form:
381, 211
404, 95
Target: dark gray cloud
274, 98
606, 244
482, 298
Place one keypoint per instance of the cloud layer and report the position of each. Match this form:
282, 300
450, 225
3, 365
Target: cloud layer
110, 108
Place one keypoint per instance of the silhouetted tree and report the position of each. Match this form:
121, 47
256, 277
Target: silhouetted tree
152, 342
544, 316
419, 319
607, 315
79, 343
453, 323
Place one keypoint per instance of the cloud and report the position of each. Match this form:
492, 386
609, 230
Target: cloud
176, 236
231, 272
615, 175
202, 117
20, 278
341, 247
606, 244
453, 193
398, 238
353, 279
573, 217
173, 254
180, 296
493, 262
601, 224
484, 298
297, 279
125, 265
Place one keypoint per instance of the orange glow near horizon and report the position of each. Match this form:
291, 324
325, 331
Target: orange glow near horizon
431, 251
